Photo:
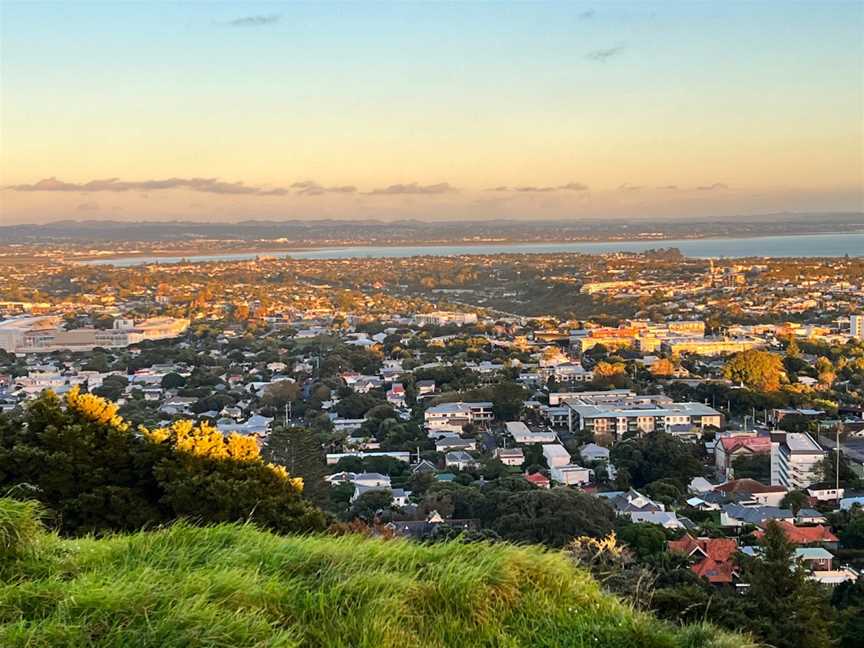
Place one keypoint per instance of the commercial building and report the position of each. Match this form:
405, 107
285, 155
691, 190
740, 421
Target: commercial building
46, 334
709, 346
795, 460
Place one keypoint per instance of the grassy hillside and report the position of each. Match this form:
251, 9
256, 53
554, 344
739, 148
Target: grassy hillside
236, 586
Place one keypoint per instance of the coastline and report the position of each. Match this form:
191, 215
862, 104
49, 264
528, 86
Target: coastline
281, 250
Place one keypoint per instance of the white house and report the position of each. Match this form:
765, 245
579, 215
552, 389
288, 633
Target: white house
556, 455
570, 474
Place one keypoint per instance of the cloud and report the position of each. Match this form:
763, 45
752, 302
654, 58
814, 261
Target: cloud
570, 186
204, 185
414, 189
717, 186
88, 206
603, 55
312, 188
586, 15
669, 187
255, 21
628, 187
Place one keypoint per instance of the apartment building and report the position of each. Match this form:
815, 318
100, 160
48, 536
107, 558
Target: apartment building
452, 417
795, 460
639, 415
856, 326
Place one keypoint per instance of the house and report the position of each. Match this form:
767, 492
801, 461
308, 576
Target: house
522, 434
805, 535
735, 515
825, 492
399, 495
754, 491
424, 388
631, 501
591, 452
510, 456
431, 526
712, 558
666, 519
396, 395
814, 558
424, 466
459, 459
454, 443
700, 485
555, 455
538, 479
452, 417
570, 474
733, 447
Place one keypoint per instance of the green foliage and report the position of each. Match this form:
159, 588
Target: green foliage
756, 369
20, 525
795, 500
299, 451
656, 456
89, 469
793, 610
237, 586
520, 512
756, 467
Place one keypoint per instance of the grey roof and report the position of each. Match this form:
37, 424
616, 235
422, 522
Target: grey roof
756, 514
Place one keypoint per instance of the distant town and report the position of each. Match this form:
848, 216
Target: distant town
691, 401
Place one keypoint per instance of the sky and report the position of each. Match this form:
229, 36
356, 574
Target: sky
468, 110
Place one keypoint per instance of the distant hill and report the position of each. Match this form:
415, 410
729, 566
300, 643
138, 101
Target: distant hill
235, 586
320, 232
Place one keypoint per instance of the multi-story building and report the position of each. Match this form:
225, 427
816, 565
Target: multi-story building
795, 460
856, 326
452, 417
709, 346
640, 415
46, 334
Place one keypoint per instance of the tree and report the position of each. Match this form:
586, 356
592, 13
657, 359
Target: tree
607, 374
96, 475
280, 393
507, 399
795, 500
852, 537
756, 467
372, 504
758, 370
297, 449
792, 610
663, 368
552, 517
656, 456
173, 380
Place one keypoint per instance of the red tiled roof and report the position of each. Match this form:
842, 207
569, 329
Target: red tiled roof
748, 486
538, 480
757, 445
717, 555
718, 549
715, 572
804, 535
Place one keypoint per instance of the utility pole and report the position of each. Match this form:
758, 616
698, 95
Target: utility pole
837, 467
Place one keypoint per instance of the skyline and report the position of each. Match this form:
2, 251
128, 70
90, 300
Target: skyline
226, 112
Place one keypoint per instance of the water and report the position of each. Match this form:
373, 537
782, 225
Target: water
809, 245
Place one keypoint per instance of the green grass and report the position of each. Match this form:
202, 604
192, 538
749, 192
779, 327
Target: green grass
236, 586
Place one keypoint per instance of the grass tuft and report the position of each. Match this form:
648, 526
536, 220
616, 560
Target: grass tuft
236, 586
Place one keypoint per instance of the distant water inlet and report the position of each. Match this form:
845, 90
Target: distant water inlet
810, 245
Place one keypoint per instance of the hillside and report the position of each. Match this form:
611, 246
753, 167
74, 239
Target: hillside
237, 586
